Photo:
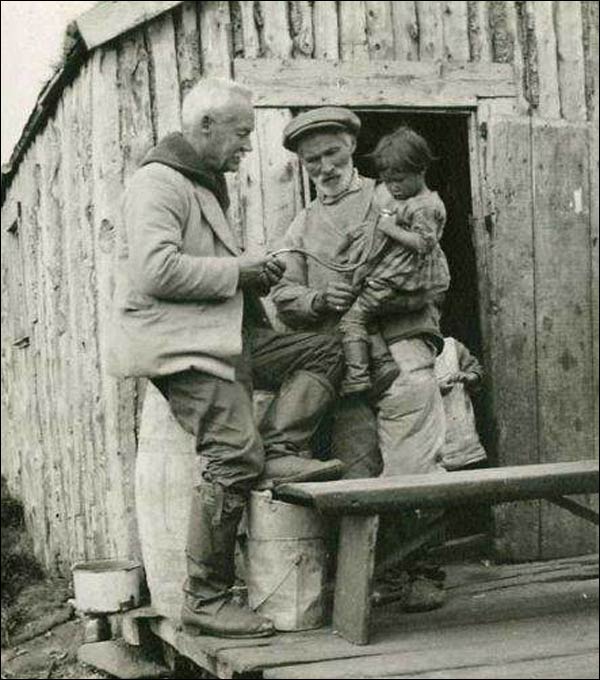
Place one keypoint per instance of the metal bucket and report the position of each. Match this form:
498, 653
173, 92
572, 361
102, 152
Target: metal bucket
107, 586
287, 561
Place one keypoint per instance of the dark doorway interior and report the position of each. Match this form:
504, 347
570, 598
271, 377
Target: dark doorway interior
447, 135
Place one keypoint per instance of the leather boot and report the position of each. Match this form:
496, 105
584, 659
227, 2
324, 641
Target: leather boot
384, 369
288, 428
357, 378
208, 608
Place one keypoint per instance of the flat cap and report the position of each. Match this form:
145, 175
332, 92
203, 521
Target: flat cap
315, 119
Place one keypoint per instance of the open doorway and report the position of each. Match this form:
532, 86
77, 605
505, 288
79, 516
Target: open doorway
448, 136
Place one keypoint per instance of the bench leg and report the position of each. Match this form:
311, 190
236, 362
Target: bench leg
356, 559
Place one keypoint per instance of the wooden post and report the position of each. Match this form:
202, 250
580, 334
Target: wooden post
356, 561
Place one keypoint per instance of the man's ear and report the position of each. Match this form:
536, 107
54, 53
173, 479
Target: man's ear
352, 144
206, 123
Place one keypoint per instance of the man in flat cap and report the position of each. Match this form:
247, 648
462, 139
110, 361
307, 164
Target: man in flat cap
366, 434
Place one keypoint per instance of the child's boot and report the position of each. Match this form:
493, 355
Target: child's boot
357, 379
384, 369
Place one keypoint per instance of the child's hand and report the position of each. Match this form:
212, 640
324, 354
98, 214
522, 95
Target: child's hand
448, 382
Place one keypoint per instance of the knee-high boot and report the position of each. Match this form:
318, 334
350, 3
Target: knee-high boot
288, 427
208, 609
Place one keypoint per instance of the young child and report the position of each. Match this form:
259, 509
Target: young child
459, 375
405, 257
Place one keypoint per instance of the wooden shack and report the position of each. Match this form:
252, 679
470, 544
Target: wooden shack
507, 93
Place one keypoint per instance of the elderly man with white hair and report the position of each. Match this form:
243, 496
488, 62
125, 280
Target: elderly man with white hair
188, 316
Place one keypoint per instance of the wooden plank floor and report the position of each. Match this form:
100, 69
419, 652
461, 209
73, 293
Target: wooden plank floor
511, 621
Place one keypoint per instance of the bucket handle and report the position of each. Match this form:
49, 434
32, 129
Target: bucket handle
295, 562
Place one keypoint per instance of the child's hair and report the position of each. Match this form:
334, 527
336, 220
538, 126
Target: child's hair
403, 150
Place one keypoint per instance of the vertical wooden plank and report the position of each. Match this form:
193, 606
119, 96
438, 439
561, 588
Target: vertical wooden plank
281, 179
380, 29
571, 71
166, 105
137, 135
272, 19
107, 171
406, 30
356, 560
590, 38
326, 30
52, 244
301, 28
431, 30
512, 44
509, 231
215, 38
353, 31
32, 388
187, 39
547, 66
589, 16
564, 361
70, 210
249, 29
479, 38
455, 25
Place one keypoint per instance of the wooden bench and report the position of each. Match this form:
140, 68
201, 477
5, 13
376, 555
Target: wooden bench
360, 502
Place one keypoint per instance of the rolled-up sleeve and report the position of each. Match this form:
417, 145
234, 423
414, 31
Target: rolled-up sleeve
156, 209
292, 296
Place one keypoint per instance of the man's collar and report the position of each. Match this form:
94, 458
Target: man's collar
354, 186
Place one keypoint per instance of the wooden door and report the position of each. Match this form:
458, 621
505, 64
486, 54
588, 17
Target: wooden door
534, 245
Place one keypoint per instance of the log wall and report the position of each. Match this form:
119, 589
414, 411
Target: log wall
69, 430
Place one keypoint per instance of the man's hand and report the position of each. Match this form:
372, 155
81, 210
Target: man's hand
337, 297
259, 272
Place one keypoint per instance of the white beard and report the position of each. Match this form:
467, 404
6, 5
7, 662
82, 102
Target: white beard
341, 186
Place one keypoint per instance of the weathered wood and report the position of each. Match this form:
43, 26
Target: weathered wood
301, 28
315, 83
166, 105
593, 146
547, 66
406, 30
107, 20
480, 620
576, 508
107, 170
380, 29
187, 38
526, 645
326, 30
455, 30
93, 459
589, 16
495, 485
570, 665
275, 31
563, 313
431, 30
459, 662
280, 180
571, 71
511, 42
137, 135
507, 232
249, 30
355, 563
215, 38
353, 31
479, 38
